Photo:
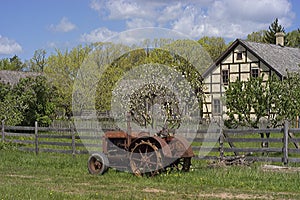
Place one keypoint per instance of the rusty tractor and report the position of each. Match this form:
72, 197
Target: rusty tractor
141, 154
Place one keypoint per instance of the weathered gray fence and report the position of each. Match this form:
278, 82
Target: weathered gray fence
282, 145
49, 139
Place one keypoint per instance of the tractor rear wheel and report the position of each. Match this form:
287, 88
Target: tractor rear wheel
145, 159
98, 164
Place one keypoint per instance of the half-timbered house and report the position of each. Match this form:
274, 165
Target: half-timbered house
242, 60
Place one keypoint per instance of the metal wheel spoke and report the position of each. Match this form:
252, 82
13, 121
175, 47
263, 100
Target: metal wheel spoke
146, 151
151, 155
141, 153
147, 159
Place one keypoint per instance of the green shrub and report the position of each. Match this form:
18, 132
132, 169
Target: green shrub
8, 146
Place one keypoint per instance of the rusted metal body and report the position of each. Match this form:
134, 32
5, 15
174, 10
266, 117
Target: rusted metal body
140, 153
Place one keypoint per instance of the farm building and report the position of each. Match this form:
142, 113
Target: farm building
242, 60
13, 77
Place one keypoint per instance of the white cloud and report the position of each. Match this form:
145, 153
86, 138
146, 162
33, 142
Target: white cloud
95, 5
126, 9
260, 11
8, 46
97, 35
196, 18
171, 12
63, 26
139, 23
232, 18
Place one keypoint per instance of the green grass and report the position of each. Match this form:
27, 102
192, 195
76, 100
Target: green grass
59, 176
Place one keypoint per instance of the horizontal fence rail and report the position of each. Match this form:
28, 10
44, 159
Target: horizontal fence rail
49, 139
270, 145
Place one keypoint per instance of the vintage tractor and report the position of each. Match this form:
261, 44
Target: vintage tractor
141, 153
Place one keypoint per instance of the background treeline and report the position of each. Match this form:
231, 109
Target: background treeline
49, 96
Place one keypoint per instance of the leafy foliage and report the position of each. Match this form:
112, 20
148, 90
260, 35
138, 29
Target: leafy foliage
8, 146
32, 99
246, 102
38, 62
255, 100
11, 106
257, 36
13, 63
61, 71
215, 46
149, 93
293, 39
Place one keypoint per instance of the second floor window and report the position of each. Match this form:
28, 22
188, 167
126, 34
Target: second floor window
225, 76
239, 56
254, 72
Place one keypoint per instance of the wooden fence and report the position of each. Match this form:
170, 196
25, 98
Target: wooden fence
49, 139
281, 146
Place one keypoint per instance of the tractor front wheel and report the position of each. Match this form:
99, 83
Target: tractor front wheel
98, 164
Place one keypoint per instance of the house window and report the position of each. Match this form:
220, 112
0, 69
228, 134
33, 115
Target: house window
239, 56
254, 72
216, 106
225, 76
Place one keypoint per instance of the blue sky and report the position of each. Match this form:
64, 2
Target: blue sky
28, 25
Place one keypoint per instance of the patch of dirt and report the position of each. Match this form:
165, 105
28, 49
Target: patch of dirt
223, 195
19, 176
231, 196
154, 190
277, 168
83, 184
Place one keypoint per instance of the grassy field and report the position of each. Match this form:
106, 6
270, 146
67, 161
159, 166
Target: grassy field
58, 176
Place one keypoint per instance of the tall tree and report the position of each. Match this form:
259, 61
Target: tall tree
257, 36
215, 46
38, 61
11, 106
293, 39
38, 99
274, 28
182, 67
61, 70
13, 63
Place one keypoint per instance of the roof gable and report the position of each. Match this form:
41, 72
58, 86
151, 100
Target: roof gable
278, 58
281, 59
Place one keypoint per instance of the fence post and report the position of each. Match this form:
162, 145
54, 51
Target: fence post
221, 143
36, 138
2, 131
128, 119
285, 142
73, 141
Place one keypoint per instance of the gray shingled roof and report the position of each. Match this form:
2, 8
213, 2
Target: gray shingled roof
13, 77
281, 59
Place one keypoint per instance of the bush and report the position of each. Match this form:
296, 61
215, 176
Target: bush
8, 146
